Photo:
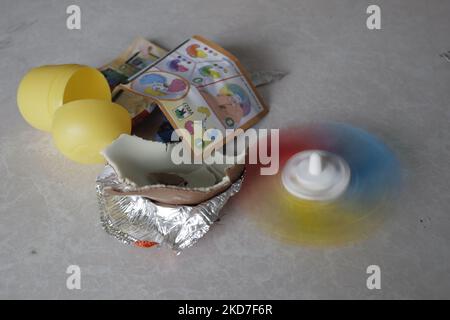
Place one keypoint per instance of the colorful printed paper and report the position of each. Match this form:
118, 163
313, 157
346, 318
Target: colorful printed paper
200, 81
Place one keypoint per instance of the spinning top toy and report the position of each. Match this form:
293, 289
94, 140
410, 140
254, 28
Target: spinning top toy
335, 184
316, 175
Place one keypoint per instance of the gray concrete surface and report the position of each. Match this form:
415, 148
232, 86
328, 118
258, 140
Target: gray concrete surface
391, 82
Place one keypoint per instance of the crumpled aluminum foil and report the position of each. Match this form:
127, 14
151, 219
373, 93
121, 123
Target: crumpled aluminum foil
261, 78
138, 220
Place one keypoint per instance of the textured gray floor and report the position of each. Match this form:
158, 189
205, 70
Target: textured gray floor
391, 82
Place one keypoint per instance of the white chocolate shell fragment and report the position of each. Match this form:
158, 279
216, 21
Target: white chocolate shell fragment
148, 170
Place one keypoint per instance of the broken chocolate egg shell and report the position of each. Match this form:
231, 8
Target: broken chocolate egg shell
149, 171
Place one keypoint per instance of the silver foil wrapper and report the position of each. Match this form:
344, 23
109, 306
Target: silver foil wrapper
261, 78
139, 220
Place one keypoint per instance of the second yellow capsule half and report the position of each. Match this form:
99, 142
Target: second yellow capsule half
83, 128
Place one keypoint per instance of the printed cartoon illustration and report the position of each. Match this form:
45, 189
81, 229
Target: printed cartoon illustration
134, 103
189, 126
114, 77
155, 85
176, 65
146, 51
140, 54
206, 113
204, 110
159, 85
207, 72
195, 51
210, 72
199, 81
230, 105
183, 111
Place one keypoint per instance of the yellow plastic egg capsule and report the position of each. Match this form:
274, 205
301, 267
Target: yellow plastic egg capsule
44, 89
83, 128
